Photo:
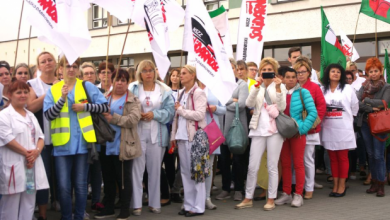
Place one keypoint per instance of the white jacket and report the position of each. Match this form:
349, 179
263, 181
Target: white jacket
256, 98
14, 126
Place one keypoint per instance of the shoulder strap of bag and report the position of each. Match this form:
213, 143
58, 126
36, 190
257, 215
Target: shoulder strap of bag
237, 111
303, 104
385, 105
267, 98
211, 113
193, 108
86, 92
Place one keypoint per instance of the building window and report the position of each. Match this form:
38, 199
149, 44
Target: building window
127, 62
99, 17
281, 1
211, 4
119, 22
175, 61
383, 44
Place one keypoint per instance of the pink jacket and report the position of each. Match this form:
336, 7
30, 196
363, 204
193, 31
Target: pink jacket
200, 102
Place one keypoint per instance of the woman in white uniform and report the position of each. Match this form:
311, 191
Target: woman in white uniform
21, 143
190, 111
157, 109
337, 133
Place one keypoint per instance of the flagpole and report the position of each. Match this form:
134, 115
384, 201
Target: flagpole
17, 40
108, 44
28, 53
376, 39
354, 36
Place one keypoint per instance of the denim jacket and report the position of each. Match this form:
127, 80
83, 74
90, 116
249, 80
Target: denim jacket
162, 116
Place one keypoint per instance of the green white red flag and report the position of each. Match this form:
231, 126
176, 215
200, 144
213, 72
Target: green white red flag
386, 70
221, 22
331, 50
379, 9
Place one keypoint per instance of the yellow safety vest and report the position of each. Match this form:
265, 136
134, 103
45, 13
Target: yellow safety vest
251, 82
60, 127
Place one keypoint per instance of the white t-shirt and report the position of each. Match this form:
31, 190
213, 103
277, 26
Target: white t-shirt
337, 126
263, 126
40, 89
150, 100
182, 133
357, 84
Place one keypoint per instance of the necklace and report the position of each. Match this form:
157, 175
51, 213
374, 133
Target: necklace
148, 100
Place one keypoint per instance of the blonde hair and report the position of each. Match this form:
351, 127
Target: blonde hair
192, 70
64, 61
143, 65
269, 61
233, 62
85, 65
349, 64
303, 61
43, 53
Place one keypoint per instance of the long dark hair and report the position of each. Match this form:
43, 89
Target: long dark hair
169, 82
326, 77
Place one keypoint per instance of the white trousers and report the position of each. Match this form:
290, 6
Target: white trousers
209, 180
19, 206
194, 193
273, 144
152, 155
309, 167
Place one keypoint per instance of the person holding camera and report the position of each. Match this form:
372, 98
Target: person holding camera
263, 130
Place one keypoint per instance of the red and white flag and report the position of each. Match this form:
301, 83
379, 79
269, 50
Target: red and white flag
250, 39
204, 44
122, 9
61, 23
348, 48
159, 17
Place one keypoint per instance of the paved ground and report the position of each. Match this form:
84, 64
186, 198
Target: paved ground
355, 205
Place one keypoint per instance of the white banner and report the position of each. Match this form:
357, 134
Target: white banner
62, 24
159, 17
204, 44
347, 47
250, 39
122, 9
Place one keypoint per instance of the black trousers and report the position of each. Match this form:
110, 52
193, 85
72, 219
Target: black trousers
112, 174
238, 169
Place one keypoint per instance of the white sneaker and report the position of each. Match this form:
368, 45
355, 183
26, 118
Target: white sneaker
86, 216
297, 201
232, 185
352, 177
210, 205
318, 186
283, 199
215, 188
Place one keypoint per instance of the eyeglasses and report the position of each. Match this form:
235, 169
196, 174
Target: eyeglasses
147, 71
22, 73
69, 67
301, 73
6, 73
89, 74
254, 70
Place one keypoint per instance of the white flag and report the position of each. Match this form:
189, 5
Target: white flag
221, 22
159, 17
250, 39
62, 24
122, 9
347, 47
203, 42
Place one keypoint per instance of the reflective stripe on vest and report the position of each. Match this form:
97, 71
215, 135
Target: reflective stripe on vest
60, 127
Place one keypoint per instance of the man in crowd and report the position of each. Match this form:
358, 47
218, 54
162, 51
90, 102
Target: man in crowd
293, 54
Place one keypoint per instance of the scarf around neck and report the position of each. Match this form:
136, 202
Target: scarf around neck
371, 88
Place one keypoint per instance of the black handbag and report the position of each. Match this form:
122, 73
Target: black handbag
103, 131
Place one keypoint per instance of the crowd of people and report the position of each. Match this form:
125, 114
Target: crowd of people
51, 150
